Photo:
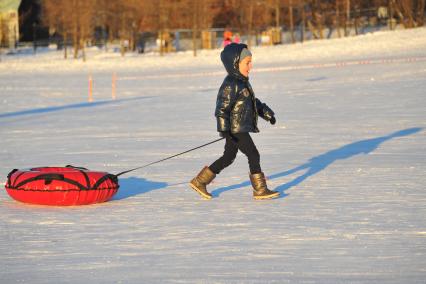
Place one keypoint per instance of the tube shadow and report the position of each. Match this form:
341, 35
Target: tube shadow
319, 163
134, 186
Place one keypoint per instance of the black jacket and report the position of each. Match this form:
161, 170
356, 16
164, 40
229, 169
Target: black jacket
237, 109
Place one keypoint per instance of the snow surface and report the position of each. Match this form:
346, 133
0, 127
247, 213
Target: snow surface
347, 154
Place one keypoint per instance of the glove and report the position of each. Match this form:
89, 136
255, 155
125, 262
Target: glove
223, 134
272, 120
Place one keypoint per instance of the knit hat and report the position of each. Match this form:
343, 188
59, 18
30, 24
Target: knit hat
244, 53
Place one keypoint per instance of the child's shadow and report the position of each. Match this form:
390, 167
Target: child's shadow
134, 186
319, 163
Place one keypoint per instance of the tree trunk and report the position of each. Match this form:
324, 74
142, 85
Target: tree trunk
338, 19
303, 20
356, 20
122, 32
75, 43
317, 21
312, 29
407, 8
83, 48
420, 12
76, 38
160, 25
290, 7
390, 18
194, 27
348, 17
398, 11
162, 42
65, 45
1, 35
277, 13
1, 32
250, 23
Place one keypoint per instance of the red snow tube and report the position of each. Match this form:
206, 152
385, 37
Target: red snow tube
61, 186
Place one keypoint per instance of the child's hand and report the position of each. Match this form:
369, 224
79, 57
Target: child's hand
272, 120
223, 134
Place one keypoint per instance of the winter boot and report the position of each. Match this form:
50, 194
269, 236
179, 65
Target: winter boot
260, 189
200, 182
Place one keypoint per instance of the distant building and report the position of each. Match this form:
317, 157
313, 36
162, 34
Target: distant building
9, 23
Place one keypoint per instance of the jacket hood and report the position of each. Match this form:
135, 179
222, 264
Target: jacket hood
230, 57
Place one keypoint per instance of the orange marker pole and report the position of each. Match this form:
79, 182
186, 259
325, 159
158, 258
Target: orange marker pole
114, 79
90, 99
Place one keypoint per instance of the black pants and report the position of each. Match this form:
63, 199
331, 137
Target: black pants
242, 142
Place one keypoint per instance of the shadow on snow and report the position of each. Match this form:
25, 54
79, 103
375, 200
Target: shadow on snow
66, 107
319, 163
134, 186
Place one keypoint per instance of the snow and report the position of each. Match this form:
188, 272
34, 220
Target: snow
347, 154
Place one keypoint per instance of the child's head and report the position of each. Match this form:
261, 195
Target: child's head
237, 60
245, 65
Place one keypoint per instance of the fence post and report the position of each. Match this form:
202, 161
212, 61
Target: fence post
114, 79
90, 98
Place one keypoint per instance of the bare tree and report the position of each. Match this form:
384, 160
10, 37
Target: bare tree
71, 18
410, 13
420, 12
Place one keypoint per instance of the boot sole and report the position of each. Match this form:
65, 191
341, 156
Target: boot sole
267, 196
205, 196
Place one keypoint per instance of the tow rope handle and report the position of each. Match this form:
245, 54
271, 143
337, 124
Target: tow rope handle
159, 161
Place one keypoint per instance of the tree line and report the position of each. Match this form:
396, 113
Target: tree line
77, 20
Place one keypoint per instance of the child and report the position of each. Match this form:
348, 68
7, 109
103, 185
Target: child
227, 37
237, 111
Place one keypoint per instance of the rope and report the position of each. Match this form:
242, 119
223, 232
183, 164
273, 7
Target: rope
159, 161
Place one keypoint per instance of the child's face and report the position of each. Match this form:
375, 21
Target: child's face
245, 66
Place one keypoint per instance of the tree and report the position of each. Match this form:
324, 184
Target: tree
71, 18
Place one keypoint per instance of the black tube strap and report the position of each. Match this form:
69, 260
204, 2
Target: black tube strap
104, 178
74, 167
83, 172
9, 175
48, 178
17, 177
